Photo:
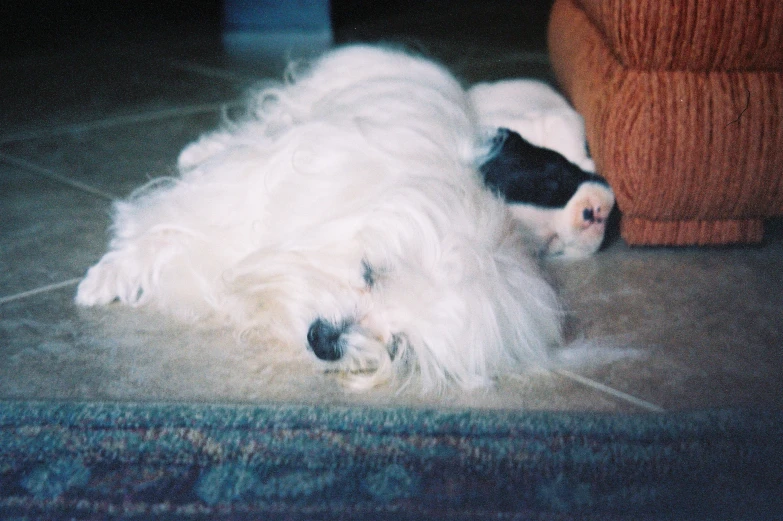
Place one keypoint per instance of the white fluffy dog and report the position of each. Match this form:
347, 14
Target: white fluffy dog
345, 215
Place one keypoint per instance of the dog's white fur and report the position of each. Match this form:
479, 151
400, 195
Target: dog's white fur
538, 112
350, 194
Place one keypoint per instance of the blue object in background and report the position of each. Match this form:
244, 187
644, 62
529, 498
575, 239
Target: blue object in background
260, 26
277, 15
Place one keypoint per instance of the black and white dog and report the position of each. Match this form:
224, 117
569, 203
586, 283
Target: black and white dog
537, 161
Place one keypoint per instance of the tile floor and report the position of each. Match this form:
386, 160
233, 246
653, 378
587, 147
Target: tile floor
78, 129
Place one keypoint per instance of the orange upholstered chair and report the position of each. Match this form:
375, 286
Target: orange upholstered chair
683, 107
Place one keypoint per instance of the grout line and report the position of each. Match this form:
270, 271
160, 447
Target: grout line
609, 390
45, 172
100, 124
42, 289
210, 72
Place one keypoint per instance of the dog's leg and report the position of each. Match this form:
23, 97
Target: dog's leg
129, 272
117, 276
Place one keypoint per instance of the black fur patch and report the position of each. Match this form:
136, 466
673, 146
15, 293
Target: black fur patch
521, 172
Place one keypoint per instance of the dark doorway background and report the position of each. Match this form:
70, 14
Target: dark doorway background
33, 27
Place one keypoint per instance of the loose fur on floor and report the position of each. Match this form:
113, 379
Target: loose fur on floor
345, 215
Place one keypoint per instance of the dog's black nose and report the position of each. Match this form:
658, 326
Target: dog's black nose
324, 339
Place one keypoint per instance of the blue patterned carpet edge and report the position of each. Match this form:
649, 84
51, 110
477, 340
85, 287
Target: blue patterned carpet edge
193, 462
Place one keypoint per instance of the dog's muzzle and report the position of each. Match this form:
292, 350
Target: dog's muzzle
326, 340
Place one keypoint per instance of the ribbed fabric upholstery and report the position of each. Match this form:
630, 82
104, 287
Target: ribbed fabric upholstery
689, 132
699, 35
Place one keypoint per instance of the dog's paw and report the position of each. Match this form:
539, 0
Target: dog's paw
107, 281
582, 224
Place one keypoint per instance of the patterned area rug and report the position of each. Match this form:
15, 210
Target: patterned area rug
189, 462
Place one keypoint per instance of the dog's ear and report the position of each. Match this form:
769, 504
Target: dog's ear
522, 172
